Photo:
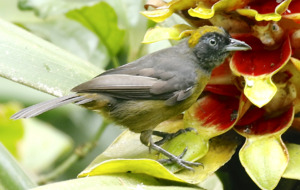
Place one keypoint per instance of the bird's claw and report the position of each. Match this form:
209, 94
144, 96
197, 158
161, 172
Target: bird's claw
178, 160
168, 136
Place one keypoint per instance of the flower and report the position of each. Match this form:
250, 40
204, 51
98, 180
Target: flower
255, 93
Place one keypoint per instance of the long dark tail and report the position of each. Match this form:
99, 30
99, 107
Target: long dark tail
42, 107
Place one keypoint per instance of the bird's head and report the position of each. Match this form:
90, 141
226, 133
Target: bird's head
212, 45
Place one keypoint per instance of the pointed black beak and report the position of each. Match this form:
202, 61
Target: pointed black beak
237, 45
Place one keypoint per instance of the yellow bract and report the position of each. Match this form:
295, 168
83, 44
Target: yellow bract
163, 12
207, 11
176, 32
276, 16
293, 169
296, 62
259, 90
265, 160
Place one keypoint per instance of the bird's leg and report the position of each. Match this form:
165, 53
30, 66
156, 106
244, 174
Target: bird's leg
146, 139
168, 136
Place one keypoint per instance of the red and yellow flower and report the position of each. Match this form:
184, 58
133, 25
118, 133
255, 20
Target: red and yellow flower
256, 93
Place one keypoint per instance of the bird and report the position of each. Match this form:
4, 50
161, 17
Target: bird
141, 94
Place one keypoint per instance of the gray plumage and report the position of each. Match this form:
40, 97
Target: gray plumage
171, 76
154, 88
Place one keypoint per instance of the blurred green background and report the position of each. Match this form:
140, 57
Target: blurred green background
44, 143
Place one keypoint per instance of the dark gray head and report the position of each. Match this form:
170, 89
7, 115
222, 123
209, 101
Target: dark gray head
213, 46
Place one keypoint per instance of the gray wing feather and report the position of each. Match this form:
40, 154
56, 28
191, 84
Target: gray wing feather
42, 107
115, 82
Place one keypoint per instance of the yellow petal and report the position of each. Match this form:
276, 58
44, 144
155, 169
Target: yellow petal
276, 16
259, 90
161, 13
202, 11
265, 160
206, 11
157, 15
158, 33
293, 169
292, 16
296, 63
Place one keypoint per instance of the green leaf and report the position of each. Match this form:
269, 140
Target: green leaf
116, 182
136, 24
146, 166
11, 132
293, 169
47, 8
127, 153
10, 12
102, 20
29, 60
73, 37
11, 174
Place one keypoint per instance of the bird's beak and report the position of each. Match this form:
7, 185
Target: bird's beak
237, 45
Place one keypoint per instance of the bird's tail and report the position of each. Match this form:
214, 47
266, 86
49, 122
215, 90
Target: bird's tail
42, 107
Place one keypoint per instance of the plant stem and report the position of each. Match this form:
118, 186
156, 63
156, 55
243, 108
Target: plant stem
78, 153
12, 176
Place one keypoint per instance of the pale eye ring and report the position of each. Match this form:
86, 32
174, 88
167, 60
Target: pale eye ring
212, 42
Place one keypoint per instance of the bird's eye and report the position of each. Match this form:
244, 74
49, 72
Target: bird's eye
212, 42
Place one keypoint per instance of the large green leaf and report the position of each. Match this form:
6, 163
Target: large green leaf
102, 20
52, 7
29, 60
116, 182
128, 154
71, 36
12, 176
128, 13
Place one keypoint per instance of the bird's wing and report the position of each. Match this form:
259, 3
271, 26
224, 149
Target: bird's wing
119, 85
127, 87
163, 75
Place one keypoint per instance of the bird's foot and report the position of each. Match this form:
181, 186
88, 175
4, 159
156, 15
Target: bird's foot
178, 160
168, 136
146, 139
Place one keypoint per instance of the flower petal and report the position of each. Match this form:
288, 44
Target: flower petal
265, 160
221, 150
224, 89
261, 60
204, 117
264, 155
265, 10
293, 169
205, 114
176, 32
161, 13
293, 11
206, 10
221, 74
266, 125
260, 90
296, 63
258, 66
127, 153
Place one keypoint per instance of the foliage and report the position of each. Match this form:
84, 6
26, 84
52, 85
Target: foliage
53, 45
